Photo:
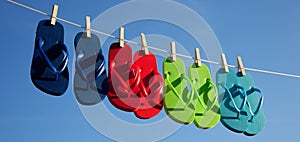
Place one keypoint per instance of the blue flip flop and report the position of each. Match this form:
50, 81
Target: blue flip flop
90, 81
256, 119
232, 100
49, 71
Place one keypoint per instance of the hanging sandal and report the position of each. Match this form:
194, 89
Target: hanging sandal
90, 81
49, 71
256, 119
207, 109
149, 87
120, 93
232, 100
178, 100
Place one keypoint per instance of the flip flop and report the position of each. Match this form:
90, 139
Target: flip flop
256, 119
232, 100
49, 71
120, 93
207, 109
150, 86
90, 81
177, 100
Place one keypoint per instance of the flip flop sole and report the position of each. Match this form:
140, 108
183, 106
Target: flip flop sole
175, 108
229, 115
204, 118
41, 73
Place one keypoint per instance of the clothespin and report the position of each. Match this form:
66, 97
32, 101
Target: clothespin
173, 51
224, 63
54, 14
121, 38
88, 26
144, 44
197, 57
241, 68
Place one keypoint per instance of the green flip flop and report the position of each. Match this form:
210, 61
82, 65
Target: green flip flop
232, 99
177, 99
256, 119
207, 108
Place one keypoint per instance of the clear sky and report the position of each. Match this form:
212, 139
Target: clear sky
265, 33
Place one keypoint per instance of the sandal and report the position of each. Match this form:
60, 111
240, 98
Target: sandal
49, 71
207, 108
90, 81
149, 87
120, 93
232, 100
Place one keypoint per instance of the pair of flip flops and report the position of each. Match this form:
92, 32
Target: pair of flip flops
49, 71
240, 103
134, 87
199, 105
90, 80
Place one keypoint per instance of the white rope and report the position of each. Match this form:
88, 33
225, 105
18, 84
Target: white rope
151, 47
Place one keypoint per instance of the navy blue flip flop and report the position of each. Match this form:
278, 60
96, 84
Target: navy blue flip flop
49, 71
90, 81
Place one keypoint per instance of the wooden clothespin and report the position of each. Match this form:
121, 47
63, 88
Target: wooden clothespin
144, 44
173, 51
88, 26
197, 57
224, 63
121, 38
241, 68
54, 14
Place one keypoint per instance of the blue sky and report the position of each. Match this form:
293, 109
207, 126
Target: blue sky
265, 33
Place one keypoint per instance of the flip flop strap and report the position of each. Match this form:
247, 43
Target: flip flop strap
144, 90
175, 91
120, 79
242, 91
198, 96
98, 72
101, 69
158, 78
214, 100
80, 70
64, 62
231, 98
216, 97
192, 94
137, 78
261, 100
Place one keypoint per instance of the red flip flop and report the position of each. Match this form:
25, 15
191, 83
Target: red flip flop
120, 93
148, 85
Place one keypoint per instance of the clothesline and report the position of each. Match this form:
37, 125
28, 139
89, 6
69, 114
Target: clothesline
151, 47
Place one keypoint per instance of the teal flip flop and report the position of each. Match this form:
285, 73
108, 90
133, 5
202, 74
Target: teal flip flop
232, 100
207, 108
256, 119
177, 99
